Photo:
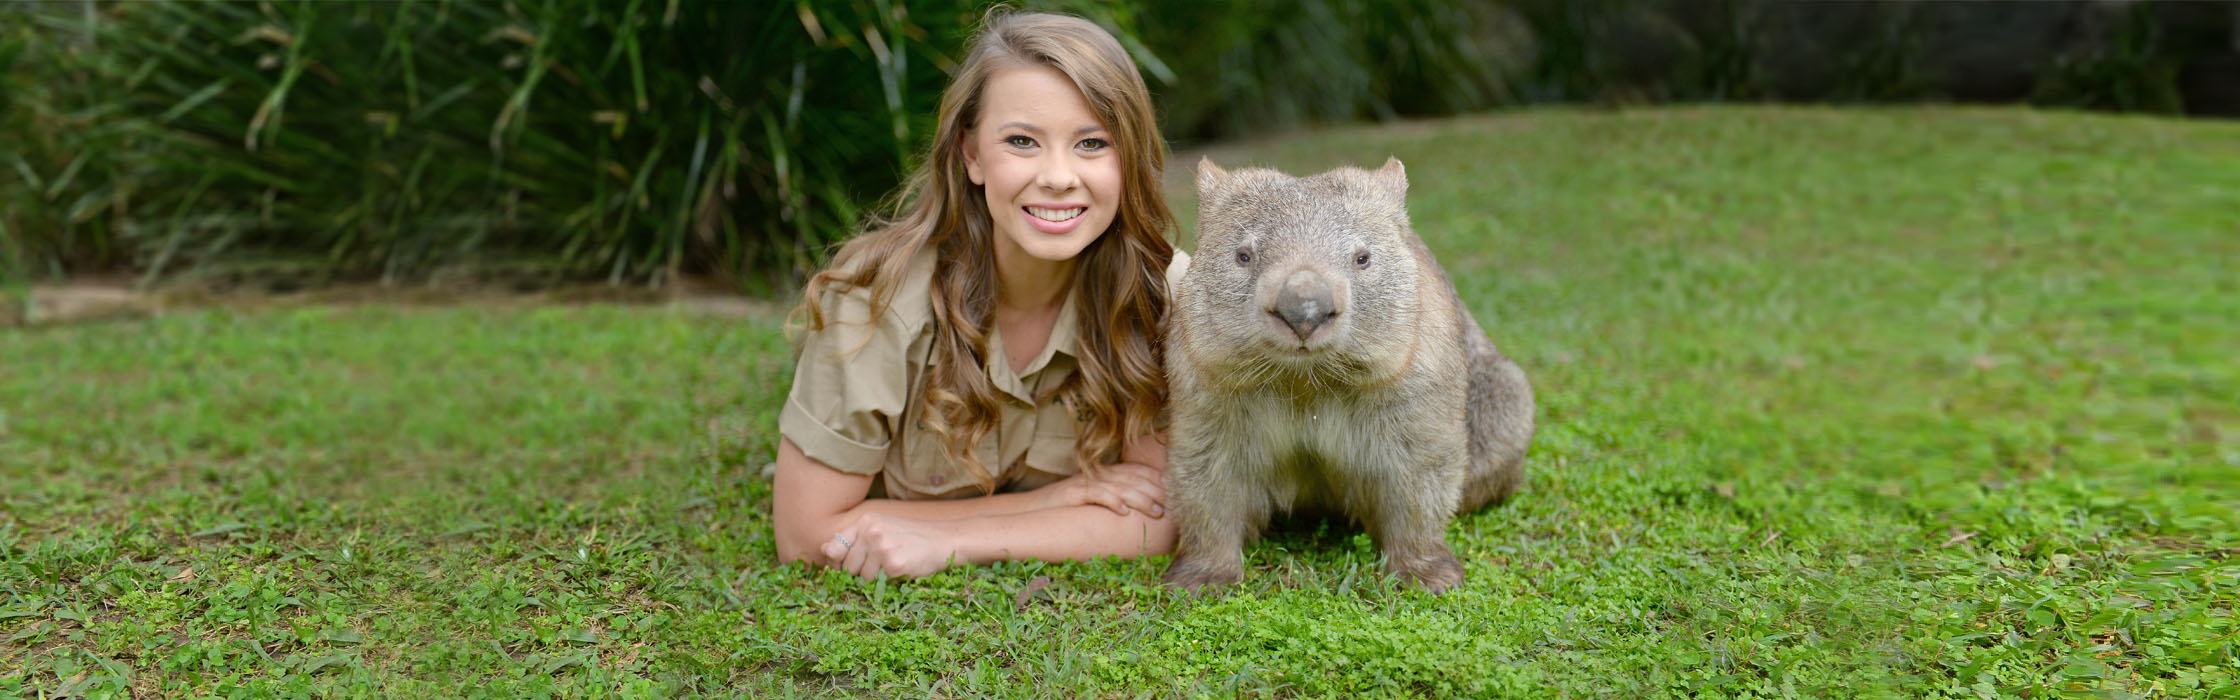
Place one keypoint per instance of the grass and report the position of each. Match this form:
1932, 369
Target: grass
1873, 403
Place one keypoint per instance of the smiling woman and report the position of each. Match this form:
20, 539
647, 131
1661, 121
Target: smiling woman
1050, 181
979, 376
1047, 168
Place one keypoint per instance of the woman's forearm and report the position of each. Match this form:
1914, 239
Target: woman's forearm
820, 514
949, 509
812, 501
1060, 534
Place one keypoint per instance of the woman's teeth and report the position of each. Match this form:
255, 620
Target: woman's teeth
1055, 214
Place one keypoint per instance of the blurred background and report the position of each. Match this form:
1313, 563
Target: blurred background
641, 142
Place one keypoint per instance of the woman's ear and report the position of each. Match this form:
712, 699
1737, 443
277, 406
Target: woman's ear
971, 148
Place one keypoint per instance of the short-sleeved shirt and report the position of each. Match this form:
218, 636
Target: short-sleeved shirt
856, 405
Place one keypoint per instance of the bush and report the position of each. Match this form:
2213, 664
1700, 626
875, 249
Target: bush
577, 138
546, 138
634, 140
1255, 66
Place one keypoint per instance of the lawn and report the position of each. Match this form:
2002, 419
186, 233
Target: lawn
1834, 403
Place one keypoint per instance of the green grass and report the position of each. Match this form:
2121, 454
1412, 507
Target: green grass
1920, 402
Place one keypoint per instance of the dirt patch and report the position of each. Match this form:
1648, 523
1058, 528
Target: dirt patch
81, 300
92, 300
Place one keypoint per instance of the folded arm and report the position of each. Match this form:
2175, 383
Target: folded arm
822, 515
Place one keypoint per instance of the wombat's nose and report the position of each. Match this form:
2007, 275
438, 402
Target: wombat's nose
1305, 303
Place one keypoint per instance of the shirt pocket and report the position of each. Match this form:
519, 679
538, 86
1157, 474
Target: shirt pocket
1050, 455
926, 472
1053, 453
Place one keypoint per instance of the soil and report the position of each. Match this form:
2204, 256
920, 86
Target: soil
96, 299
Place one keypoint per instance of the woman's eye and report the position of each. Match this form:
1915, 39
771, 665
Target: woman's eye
1094, 144
1019, 141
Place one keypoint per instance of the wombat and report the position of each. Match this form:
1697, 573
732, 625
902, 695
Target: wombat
1319, 359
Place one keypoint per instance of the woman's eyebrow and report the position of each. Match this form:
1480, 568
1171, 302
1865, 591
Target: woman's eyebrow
1036, 130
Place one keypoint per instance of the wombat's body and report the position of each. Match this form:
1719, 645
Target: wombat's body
1319, 358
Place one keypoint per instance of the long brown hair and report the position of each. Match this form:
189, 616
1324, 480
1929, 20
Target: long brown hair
1120, 285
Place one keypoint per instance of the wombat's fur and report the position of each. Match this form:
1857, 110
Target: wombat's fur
1320, 359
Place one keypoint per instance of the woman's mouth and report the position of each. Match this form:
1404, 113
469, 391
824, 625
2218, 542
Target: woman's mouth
1054, 220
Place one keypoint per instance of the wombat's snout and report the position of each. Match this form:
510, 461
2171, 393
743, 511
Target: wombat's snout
1305, 302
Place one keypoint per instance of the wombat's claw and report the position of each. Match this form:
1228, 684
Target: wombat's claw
1434, 574
1196, 575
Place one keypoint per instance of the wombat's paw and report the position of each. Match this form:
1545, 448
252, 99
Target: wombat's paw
1197, 574
1434, 574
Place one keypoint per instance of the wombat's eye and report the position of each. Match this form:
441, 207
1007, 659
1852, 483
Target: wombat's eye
1244, 256
1361, 259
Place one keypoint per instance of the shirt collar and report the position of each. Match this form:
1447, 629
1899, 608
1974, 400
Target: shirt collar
1064, 338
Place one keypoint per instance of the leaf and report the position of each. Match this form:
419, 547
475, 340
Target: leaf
29, 632
115, 669
341, 635
186, 574
220, 530
69, 172
579, 635
2085, 668
465, 529
313, 664
2168, 565
1033, 587
1966, 638
556, 663
193, 101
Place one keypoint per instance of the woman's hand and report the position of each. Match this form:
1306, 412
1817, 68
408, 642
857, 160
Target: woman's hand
1123, 488
898, 547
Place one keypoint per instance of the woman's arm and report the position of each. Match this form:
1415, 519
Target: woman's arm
822, 515
877, 544
903, 547
814, 502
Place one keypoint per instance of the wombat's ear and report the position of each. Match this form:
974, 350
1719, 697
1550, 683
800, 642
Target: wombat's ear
1394, 177
1209, 175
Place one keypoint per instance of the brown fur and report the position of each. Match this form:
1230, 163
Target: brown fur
1302, 379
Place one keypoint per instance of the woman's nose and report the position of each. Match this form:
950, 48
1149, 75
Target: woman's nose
1057, 174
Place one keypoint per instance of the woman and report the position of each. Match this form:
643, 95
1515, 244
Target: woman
981, 375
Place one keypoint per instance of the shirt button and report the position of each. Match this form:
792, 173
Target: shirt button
938, 479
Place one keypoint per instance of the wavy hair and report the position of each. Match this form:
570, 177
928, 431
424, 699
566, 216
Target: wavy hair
1120, 284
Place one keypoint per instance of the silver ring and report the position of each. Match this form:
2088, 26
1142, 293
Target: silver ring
843, 541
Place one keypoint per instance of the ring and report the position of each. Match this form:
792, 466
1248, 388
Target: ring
843, 541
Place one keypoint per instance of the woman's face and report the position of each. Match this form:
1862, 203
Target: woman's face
1049, 170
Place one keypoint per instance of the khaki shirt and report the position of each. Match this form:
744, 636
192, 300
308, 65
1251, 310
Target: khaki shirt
855, 405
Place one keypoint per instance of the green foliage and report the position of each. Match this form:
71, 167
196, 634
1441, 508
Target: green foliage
294, 142
1901, 403
39, 146
402, 140
1251, 68
630, 141
2130, 71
